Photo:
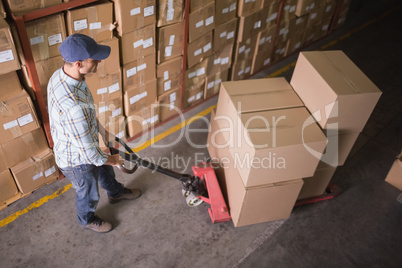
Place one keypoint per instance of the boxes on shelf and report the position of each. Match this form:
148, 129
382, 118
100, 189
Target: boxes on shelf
139, 71
225, 34
143, 119
335, 90
137, 44
196, 73
251, 25
117, 127
35, 172
95, 21
138, 98
9, 60
193, 94
104, 88
225, 10
272, 9
201, 22
25, 6
45, 36
303, 7
199, 49
169, 104
220, 60
8, 188
133, 15
245, 50
170, 42
199, 4
247, 7
111, 64
10, 85
18, 116
289, 9
169, 75
241, 70
170, 12
213, 82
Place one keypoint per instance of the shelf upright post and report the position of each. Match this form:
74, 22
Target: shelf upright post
185, 38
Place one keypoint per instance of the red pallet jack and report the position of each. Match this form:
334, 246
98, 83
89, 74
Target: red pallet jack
331, 192
201, 187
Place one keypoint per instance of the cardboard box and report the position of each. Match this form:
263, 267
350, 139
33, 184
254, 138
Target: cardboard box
394, 176
224, 34
8, 189
249, 205
225, 10
303, 7
262, 59
111, 64
245, 50
24, 147
95, 21
318, 183
339, 146
201, 22
17, 117
335, 90
196, 73
169, 104
199, 4
193, 94
251, 24
131, 15
199, 49
247, 7
139, 72
221, 60
35, 172
117, 127
110, 110
271, 8
213, 82
169, 75
138, 98
105, 88
24, 6
10, 85
289, 9
8, 54
170, 12
143, 120
241, 70
273, 137
170, 42
46, 35
265, 40
137, 44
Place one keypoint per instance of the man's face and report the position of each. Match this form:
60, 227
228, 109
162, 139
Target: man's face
89, 66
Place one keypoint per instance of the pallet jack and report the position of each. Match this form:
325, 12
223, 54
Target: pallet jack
331, 192
201, 187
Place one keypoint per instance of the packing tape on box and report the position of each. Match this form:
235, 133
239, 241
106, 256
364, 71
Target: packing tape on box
27, 138
95, 26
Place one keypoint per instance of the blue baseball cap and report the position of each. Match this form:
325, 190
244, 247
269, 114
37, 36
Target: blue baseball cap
79, 47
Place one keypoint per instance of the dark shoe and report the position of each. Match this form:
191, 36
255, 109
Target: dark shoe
98, 225
128, 194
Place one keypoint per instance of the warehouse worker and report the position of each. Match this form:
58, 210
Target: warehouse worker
74, 128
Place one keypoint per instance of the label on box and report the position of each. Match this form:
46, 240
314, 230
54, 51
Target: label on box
170, 4
50, 171
247, 70
240, 72
272, 17
120, 134
292, 8
131, 72
141, 67
211, 85
170, 14
172, 97
167, 85
37, 176
165, 75
298, 44
209, 21
101, 91
198, 52
247, 50
207, 47
218, 81
200, 71
55, 39
199, 24
191, 99
135, 11
217, 61
24, 120
103, 109
168, 51
223, 34
232, 7
313, 15
199, 95
171, 40
150, 120
36, 40
116, 112
6, 55
80, 25
149, 42
171, 107
113, 88
328, 9
224, 60
95, 25
138, 43
148, 11
257, 24
325, 27
242, 49
137, 97
267, 61
10, 124
225, 10
230, 35
191, 75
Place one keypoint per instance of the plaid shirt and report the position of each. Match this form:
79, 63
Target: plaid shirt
73, 123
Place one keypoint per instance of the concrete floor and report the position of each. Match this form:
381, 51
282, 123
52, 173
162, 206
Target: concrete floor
360, 228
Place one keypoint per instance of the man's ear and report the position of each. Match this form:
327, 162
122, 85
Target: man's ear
78, 64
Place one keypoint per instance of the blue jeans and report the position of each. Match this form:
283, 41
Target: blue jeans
84, 179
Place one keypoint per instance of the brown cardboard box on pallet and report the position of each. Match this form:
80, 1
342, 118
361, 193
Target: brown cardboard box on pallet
241, 69
35, 172
137, 44
271, 129
95, 21
251, 25
334, 90
8, 188
139, 71
169, 75
213, 82
45, 36
104, 88
225, 10
143, 120
220, 60
169, 104
135, 99
245, 50
170, 12
110, 110
198, 50
131, 15
225, 34
24, 6
9, 60
196, 73
193, 94
248, 205
201, 22
17, 117
170, 42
